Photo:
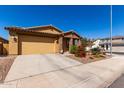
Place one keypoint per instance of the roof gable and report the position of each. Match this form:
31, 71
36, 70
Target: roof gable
71, 34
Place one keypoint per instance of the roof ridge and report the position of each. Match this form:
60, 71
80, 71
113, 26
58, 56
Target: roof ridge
44, 26
37, 26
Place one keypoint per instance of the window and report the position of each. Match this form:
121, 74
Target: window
75, 42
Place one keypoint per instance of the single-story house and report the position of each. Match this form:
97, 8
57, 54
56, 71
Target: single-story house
40, 40
3, 46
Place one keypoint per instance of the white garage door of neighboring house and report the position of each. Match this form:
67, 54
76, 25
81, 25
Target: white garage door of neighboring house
118, 49
36, 45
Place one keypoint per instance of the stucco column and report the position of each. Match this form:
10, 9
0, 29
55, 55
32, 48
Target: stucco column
13, 44
79, 42
70, 42
55, 46
61, 44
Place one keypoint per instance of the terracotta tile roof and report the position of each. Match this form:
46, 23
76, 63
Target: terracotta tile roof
36, 28
31, 29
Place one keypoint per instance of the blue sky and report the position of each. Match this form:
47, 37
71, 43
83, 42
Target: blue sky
118, 20
88, 21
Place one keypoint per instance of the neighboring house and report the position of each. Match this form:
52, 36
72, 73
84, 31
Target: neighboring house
40, 40
3, 46
96, 44
117, 43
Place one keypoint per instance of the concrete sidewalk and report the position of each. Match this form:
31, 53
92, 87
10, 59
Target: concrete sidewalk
92, 75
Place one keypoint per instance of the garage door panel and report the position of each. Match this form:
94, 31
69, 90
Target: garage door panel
36, 45
37, 39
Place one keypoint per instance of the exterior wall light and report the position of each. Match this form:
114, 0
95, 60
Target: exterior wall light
15, 39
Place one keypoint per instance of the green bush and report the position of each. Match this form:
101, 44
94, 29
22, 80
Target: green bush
96, 51
80, 52
72, 49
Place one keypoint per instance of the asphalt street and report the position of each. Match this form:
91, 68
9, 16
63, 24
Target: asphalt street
119, 83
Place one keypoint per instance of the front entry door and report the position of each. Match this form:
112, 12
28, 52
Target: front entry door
66, 44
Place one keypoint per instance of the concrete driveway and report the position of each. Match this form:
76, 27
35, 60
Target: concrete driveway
58, 71
30, 65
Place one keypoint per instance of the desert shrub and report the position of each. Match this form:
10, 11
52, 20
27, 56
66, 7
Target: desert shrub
72, 49
96, 51
80, 52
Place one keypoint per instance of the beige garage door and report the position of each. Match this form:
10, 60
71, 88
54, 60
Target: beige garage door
36, 45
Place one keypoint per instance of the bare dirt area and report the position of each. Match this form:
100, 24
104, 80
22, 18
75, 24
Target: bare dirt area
88, 59
5, 65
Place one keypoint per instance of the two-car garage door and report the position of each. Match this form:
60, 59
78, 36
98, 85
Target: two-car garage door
37, 45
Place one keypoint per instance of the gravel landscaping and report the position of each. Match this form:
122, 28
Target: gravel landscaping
5, 64
88, 59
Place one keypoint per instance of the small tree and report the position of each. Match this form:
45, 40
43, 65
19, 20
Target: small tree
86, 42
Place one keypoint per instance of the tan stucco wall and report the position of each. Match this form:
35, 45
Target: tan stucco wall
30, 44
37, 45
5, 48
56, 46
13, 44
1, 47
